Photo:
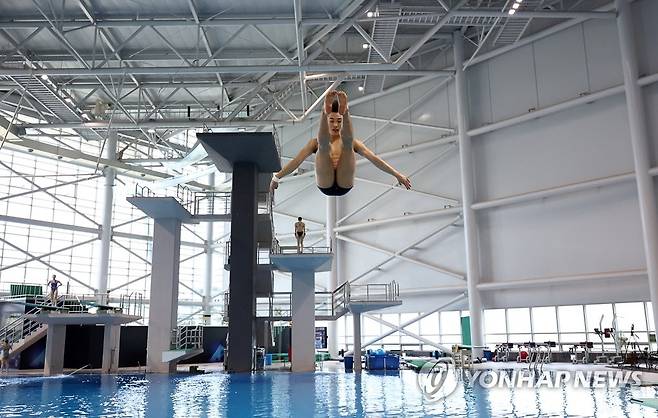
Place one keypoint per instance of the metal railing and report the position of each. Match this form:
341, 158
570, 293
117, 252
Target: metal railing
292, 249
375, 292
327, 304
206, 202
262, 254
212, 203
187, 338
183, 194
132, 304
20, 327
340, 299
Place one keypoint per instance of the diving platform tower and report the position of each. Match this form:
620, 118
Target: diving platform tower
251, 157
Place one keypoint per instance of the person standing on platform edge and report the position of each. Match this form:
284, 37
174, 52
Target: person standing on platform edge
5, 347
300, 233
53, 285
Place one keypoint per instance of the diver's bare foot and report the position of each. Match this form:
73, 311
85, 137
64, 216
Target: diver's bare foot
329, 101
342, 102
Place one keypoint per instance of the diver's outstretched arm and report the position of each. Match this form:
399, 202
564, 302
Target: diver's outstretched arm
292, 165
360, 148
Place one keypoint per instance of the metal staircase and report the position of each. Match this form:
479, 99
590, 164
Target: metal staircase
418, 17
383, 34
513, 28
56, 102
271, 106
186, 342
22, 332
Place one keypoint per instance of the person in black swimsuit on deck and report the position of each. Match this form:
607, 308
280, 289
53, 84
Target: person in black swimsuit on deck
335, 162
300, 233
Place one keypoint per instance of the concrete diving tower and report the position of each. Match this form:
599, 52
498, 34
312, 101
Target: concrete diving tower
56, 336
168, 214
303, 267
364, 298
252, 157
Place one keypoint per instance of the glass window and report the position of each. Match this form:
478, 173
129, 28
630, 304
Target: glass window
631, 314
370, 328
451, 323
494, 321
571, 318
414, 326
429, 325
544, 319
598, 316
518, 320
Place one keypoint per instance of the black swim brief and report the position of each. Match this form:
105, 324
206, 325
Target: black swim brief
335, 189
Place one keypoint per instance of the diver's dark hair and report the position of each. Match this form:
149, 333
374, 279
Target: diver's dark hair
299, 219
334, 106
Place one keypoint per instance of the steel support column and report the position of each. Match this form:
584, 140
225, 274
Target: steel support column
110, 153
470, 226
207, 289
332, 334
637, 122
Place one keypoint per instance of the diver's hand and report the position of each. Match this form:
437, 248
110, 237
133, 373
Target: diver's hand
404, 180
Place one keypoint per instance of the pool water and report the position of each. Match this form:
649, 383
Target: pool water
282, 394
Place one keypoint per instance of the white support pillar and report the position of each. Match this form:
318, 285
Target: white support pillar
332, 332
55, 344
111, 339
637, 122
163, 307
303, 321
356, 318
470, 226
109, 153
207, 289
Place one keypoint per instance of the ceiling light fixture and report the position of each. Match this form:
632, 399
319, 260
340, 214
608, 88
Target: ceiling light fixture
365, 46
511, 11
360, 88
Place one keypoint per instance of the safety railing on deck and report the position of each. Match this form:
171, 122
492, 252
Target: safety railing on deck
327, 304
206, 202
292, 249
187, 338
262, 254
183, 194
212, 203
374, 292
132, 304
20, 328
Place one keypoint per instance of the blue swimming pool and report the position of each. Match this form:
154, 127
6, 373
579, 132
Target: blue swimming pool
282, 394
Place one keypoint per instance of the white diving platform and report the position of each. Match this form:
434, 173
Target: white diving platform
56, 323
303, 267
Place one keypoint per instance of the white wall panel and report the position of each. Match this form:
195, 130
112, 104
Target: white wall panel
513, 88
589, 232
560, 66
603, 55
626, 289
588, 142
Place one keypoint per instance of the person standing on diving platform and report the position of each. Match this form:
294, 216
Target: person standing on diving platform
335, 162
